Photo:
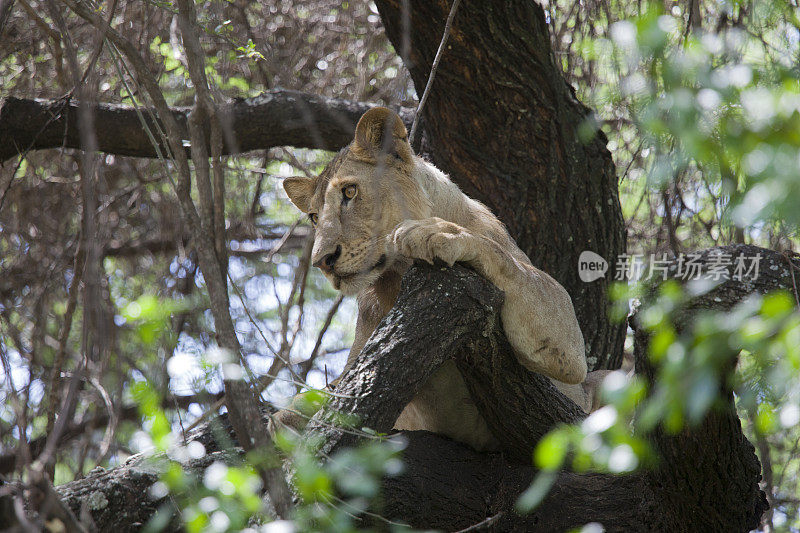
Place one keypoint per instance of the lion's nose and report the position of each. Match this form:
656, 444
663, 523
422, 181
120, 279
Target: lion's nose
326, 262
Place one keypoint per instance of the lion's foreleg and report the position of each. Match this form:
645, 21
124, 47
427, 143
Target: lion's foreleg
538, 317
541, 326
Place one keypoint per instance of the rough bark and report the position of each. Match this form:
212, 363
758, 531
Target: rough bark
276, 118
445, 485
777, 270
709, 475
120, 499
450, 487
707, 479
503, 122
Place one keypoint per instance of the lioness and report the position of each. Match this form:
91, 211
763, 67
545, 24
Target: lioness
376, 208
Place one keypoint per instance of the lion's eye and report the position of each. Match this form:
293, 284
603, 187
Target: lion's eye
350, 192
313, 218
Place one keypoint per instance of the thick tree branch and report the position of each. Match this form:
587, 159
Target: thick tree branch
519, 405
712, 469
276, 118
382, 382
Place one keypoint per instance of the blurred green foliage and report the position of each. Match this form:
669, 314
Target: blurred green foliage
706, 102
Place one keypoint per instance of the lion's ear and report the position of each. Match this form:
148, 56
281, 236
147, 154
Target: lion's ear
381, 131
300, 191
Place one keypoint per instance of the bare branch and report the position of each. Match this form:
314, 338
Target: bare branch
242, 404
445, 34
276, 118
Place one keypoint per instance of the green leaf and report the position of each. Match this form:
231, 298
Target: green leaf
533, 495
552, 450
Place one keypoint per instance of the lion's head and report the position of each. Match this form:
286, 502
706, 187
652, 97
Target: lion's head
356, 202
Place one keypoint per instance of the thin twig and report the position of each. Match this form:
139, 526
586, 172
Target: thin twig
113, 419
63, 338
432, 75
482, 525
792, 268
280, 244
305, 367
358, 512
250, 316
98, 47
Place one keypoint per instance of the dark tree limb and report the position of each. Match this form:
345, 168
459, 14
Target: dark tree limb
707, 479
776, 271
406, 350
445, 485
449, 486
708, 475
120, 500
712, 470
276, 118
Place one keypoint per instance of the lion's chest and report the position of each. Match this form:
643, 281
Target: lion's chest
444, 406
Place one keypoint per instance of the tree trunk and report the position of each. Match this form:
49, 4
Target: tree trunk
506, 126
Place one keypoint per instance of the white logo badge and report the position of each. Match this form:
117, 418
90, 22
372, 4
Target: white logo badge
591, 266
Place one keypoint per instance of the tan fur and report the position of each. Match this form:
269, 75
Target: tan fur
407, 209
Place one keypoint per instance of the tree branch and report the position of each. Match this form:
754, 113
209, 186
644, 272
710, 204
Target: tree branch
276, 118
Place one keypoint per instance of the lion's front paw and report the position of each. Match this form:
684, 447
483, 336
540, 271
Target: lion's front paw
429, 239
